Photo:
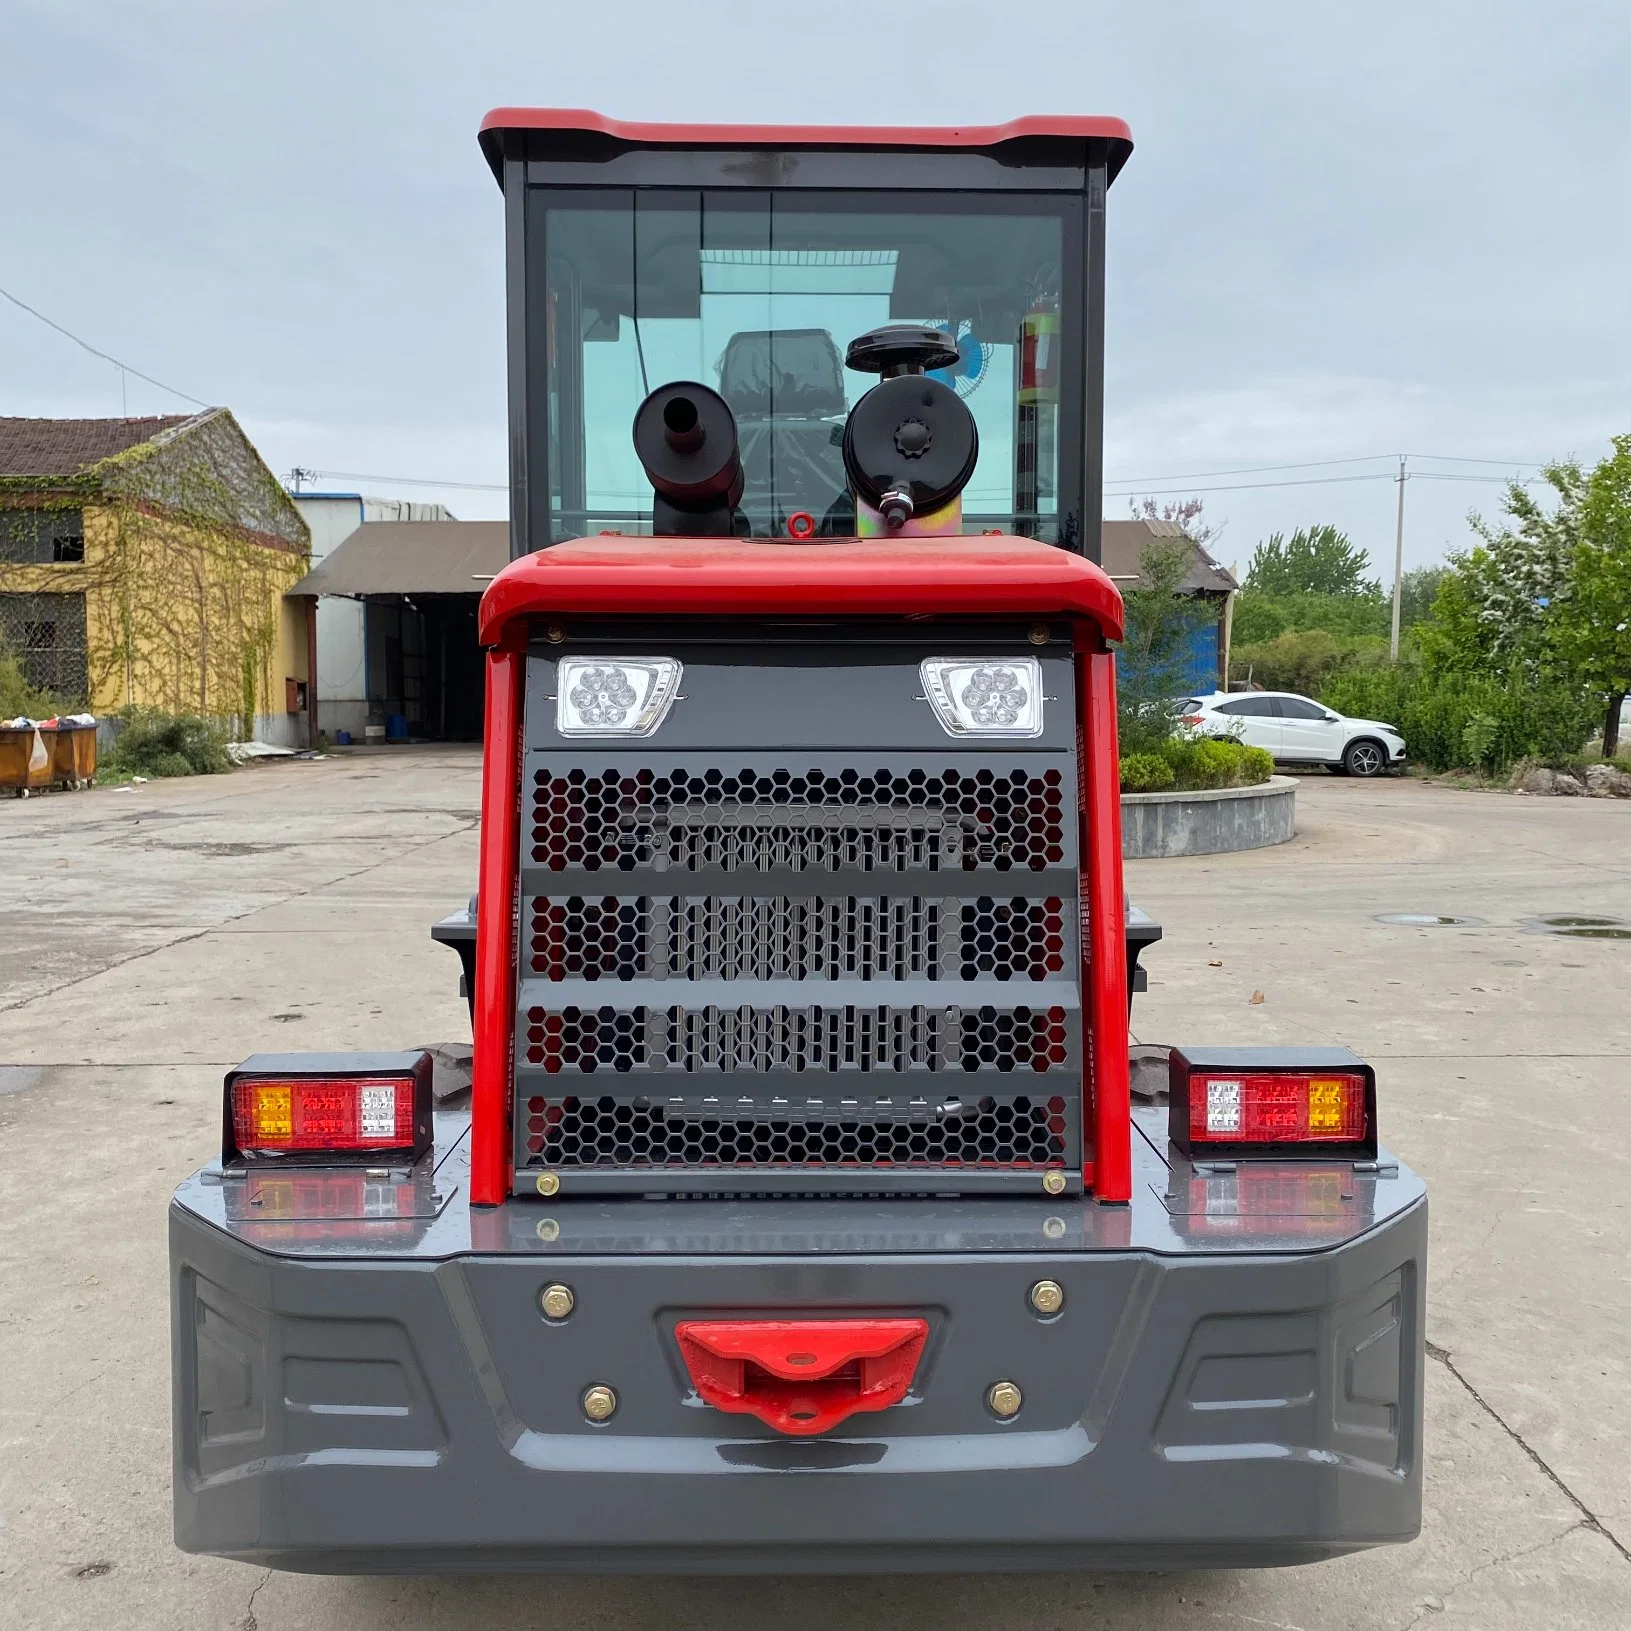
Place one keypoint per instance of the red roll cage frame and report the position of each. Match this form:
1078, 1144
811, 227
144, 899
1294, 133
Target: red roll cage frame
917, 577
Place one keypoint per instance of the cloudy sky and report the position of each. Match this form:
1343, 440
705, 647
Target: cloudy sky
1348, 231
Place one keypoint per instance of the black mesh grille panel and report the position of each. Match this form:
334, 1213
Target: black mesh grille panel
752, 971
611, 1132
785, 938
759, 1040
748, 939
876, 821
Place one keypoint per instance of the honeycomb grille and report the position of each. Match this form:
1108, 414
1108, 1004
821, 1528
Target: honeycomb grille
610, 1132
781, 938
757, 1040
1008, 939
914, 820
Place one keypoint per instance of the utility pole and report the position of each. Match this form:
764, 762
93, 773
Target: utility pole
1398, 564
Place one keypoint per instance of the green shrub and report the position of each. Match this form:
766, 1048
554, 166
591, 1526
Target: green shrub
157, 744
1453, 721
1256, 765
1478, 738
1260, 617
1190, 763
1146, 773
17, 696
1199, 761
1304, 659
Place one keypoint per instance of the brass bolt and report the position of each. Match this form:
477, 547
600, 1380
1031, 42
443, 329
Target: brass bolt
548, 1229
599, 1402
1047, 1297
1003, 1399
549, 1183
1039, 634
557, 1301
1053, 1181
555, 634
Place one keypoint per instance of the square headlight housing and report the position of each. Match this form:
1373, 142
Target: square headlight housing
614, 696
990, 697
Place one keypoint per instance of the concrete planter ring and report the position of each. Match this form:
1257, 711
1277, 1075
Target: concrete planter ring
1208, 821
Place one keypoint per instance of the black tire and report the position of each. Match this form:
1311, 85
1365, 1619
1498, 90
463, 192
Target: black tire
1365, 757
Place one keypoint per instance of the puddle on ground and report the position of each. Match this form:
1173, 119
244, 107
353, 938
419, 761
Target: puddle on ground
1427, 920
1579, 926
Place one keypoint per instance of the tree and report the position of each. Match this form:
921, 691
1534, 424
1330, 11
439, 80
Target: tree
1594, 623
1185, 514
1153, 662
1546, 596
1313, 560
1417, 593
1519, 579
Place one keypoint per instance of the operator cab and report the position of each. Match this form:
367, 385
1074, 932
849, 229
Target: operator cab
646, 268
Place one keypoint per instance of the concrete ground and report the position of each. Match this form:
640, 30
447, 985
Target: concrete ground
149, 938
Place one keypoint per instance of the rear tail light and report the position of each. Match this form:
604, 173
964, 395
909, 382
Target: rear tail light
1189, 719
1292, 1103
326, 1107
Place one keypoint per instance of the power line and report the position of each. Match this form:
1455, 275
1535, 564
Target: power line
1249, 470
1454, 475
123, 367
1248, 486
1456, 458
410, 481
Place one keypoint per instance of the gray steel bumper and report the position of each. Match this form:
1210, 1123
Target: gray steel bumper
1225, 1386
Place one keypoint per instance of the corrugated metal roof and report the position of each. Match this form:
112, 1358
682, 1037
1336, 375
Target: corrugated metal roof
458, 558
64, 447
412, 558
1126, 541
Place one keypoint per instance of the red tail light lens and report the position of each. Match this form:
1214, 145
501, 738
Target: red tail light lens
1280, 1101
1256, 1109
323, 1113
324, 1110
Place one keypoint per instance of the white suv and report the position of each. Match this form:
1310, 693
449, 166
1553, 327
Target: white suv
1296, 730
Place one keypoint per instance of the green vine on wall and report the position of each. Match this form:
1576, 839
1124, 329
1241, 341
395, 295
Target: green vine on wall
189, 545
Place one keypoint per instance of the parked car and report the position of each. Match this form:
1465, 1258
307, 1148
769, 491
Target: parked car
1297, 730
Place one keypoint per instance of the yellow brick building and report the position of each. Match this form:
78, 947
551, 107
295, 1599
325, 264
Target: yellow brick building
144, 561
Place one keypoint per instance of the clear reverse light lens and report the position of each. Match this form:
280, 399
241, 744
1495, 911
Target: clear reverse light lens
1222, 1107
976, 696
614, 696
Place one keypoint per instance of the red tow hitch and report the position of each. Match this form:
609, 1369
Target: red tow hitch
802, 1376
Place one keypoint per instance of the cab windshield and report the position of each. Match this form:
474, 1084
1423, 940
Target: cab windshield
757, 295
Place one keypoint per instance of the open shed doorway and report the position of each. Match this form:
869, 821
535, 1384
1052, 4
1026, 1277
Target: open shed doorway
425, 666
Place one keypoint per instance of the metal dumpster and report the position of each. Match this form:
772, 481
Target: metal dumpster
25, 759
73, 755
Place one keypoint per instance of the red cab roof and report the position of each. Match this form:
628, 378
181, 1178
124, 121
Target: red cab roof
737, 577
630, 133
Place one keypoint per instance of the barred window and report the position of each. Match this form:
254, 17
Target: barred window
36, 537
46, 633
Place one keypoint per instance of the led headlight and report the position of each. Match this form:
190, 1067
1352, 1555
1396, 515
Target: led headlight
981, 696
614, 696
